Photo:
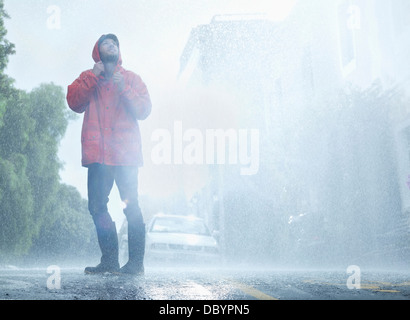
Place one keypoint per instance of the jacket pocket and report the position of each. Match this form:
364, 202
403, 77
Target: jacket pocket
125, 146
90, 141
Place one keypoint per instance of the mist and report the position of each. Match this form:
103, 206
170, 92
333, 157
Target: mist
283, 124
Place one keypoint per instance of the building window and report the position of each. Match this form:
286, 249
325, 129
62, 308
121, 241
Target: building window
348, 22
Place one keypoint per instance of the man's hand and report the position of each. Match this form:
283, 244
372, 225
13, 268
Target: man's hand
118, 79
98, 68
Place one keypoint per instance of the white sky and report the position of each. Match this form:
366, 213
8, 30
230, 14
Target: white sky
152, 35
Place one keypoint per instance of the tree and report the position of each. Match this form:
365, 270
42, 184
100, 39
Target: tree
38, 214
6, 49
47, 109
33, 125
15, 196
69, 233
16, 207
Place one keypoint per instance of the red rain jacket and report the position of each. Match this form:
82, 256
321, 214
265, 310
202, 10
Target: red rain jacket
110, 133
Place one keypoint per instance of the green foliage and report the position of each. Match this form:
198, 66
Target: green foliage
6, 49
68, 233
39, 215
46, 108
16, 207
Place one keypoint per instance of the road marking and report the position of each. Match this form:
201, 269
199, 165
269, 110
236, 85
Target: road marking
403, 284
373, 286
252, 291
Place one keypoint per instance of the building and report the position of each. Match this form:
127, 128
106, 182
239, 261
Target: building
325, 89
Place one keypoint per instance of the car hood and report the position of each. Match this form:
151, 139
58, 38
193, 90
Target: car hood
181, 238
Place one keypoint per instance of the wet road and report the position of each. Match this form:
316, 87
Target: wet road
226, 284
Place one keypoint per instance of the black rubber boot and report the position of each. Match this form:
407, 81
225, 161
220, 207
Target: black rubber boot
108, 241
136, 250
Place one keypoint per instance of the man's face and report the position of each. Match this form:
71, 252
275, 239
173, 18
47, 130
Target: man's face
109, 51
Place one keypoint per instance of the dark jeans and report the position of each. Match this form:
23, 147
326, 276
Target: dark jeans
101, 179
100, 182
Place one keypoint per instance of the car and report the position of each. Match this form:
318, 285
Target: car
177, 238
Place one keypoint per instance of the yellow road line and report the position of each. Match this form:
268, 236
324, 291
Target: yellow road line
373, 286
252, 291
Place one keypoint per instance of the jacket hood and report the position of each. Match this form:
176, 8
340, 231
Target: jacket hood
96, 52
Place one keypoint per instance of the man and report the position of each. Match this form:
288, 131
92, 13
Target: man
113, 100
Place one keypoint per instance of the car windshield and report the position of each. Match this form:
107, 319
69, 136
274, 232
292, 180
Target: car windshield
179, 225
